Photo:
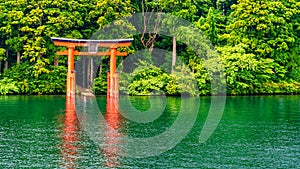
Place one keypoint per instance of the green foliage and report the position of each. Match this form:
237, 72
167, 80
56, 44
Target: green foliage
146, 80
23, 78
266, 27
258, 43
202, 77
209, 26
8, 86
100, 84
2, 54
281, 87
182, 82
247, 75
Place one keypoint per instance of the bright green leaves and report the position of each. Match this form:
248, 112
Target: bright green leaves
267, 28
8, 86
20, 79
151, 80
147, 80
209, 26
2, 55
28, 26
266, 25
245, 74
183, 81
108, 11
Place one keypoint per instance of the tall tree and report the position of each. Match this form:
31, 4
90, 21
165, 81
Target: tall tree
185, 9
12, 13
50, 18
209, 26
224, 5
14, 23
266, 27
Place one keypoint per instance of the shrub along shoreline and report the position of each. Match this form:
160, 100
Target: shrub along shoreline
145, 80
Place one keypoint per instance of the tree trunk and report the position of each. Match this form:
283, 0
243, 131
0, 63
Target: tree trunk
6, 62
223, 9
18, 57
174, 54
55, 61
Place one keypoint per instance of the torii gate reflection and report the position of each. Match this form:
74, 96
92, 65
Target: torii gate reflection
71, 134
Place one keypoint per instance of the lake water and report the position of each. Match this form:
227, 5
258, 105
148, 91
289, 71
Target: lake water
46, 132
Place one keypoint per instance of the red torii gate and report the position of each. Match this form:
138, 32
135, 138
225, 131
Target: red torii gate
93, 45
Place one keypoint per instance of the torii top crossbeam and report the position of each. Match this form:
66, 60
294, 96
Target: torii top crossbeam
113, 43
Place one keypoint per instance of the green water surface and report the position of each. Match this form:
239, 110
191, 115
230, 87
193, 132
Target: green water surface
254, 132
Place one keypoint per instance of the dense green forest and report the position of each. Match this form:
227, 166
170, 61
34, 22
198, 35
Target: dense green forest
257, 41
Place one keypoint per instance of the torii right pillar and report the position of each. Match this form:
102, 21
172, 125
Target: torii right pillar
113, 76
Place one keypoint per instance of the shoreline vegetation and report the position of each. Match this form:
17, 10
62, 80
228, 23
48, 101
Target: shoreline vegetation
104, 95
257, 42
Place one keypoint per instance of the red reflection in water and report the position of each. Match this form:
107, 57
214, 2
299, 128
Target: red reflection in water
112, 135
70, 138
